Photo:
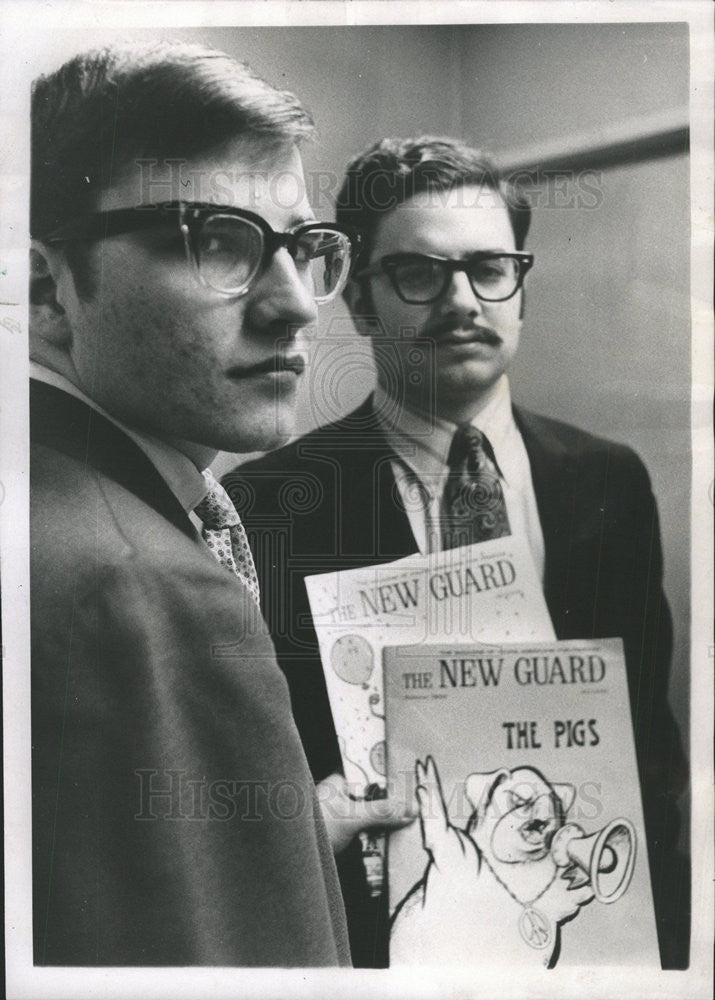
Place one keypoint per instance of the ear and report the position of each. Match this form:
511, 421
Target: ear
479, 784
47, 317
566, 795
522, 303
362, 309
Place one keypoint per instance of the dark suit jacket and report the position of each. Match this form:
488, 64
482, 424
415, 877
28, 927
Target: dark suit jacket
328, 501
174, 816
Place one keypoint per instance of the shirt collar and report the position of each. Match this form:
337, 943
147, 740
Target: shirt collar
178, 471
423, 444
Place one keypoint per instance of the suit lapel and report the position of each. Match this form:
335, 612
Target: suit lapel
66, 424
375, 523
552, 473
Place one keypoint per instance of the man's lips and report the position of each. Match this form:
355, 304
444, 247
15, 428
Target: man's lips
272, 365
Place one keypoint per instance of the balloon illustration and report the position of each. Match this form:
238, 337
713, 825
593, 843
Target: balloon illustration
351, 658
372, 701
363, 779
377, 757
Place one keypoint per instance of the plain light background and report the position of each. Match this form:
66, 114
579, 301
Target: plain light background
606, 339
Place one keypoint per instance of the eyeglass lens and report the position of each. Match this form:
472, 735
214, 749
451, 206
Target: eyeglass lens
423, 280
230, 253
323, 255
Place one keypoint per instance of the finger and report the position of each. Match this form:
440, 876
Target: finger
334, 806
433, 811
345, 816
383, 814
420, 772
333, 786
433, 786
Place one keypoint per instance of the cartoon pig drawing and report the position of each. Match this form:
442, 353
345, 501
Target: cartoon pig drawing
491, 891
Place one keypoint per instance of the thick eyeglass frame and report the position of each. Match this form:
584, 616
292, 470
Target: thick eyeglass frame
192, 216
388, 265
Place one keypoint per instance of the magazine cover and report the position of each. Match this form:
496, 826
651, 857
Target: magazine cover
486, 592
530, 846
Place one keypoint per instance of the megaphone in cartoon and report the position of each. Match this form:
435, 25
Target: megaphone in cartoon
607, 857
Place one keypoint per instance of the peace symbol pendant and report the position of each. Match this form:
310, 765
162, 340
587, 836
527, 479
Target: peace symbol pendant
535, 928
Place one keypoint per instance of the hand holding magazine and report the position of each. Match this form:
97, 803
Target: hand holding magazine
487, 592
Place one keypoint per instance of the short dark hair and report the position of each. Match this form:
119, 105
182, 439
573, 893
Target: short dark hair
162, 100
393, 170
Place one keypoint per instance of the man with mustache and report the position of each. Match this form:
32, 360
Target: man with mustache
175, 820
438, 289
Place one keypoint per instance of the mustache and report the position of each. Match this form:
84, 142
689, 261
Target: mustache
469, 329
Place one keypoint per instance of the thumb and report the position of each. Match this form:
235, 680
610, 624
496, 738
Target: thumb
386, 814
346, 816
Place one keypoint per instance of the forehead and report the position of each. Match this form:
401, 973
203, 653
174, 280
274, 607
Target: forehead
448, 223
266, 179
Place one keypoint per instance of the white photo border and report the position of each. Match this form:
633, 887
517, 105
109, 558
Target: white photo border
26, 39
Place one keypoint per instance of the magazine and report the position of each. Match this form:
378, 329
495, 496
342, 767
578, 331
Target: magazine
487, 592
531, 843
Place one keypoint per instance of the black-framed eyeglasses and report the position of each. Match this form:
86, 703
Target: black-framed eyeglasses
229, 247
419, 279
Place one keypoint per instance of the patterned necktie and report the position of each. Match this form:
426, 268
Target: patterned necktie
225, 535
473, 506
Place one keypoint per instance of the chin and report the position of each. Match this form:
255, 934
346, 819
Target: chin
271, 434
457, 396
469, 378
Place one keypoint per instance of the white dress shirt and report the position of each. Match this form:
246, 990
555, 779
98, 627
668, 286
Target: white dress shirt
421, 448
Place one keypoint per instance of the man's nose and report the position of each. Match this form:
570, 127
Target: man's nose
459, 294
281, 296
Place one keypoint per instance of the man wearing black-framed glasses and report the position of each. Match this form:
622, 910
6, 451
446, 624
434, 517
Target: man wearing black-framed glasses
438, 456
175, 821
